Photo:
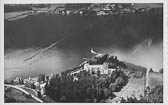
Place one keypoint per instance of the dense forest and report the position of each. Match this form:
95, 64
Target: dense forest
87, 88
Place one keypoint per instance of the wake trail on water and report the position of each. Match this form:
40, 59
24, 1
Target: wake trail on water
43, 50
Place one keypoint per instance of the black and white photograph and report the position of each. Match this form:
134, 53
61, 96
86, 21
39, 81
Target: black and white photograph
83, 53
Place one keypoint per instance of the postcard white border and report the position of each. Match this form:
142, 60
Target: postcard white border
165, 37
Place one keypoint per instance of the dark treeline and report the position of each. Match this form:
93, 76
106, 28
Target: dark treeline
85, 87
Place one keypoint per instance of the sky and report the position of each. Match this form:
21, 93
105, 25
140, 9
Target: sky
136, 39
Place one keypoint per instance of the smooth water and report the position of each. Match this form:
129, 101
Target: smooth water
117, 34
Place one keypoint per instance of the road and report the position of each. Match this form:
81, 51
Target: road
24, 91
31, 91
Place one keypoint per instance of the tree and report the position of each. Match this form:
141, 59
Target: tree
21, 81
101, 60
107, 92
156, 95
114, 76
121, 64
89, 88
63, 98
161, 70
150, 70
98, 73
123, 100
41, 77
113, 87
119, 81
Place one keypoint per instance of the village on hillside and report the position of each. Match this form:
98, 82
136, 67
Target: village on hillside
102, 78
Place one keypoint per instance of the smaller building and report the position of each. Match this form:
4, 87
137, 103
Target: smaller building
42, 89
18, 81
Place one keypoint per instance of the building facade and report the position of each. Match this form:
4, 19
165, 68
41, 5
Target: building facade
103, 68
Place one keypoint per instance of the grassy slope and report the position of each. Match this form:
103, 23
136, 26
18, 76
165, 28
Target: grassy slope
155, 78
135, 86
19, 96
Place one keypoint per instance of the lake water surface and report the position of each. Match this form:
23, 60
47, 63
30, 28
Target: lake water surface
117, 35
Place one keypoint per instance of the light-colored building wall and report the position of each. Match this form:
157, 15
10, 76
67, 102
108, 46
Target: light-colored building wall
104, 69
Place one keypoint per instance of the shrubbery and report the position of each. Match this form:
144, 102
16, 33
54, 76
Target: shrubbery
88, 88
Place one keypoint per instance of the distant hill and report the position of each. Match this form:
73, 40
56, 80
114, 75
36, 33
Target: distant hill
136, 71
131, 66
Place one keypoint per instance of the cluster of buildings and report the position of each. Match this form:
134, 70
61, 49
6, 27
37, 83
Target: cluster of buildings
31, 84
35, 85
94, 68
105, 66
102, 64
92, 9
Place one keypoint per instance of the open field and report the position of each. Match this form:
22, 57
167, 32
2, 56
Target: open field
155, 79
134, 88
